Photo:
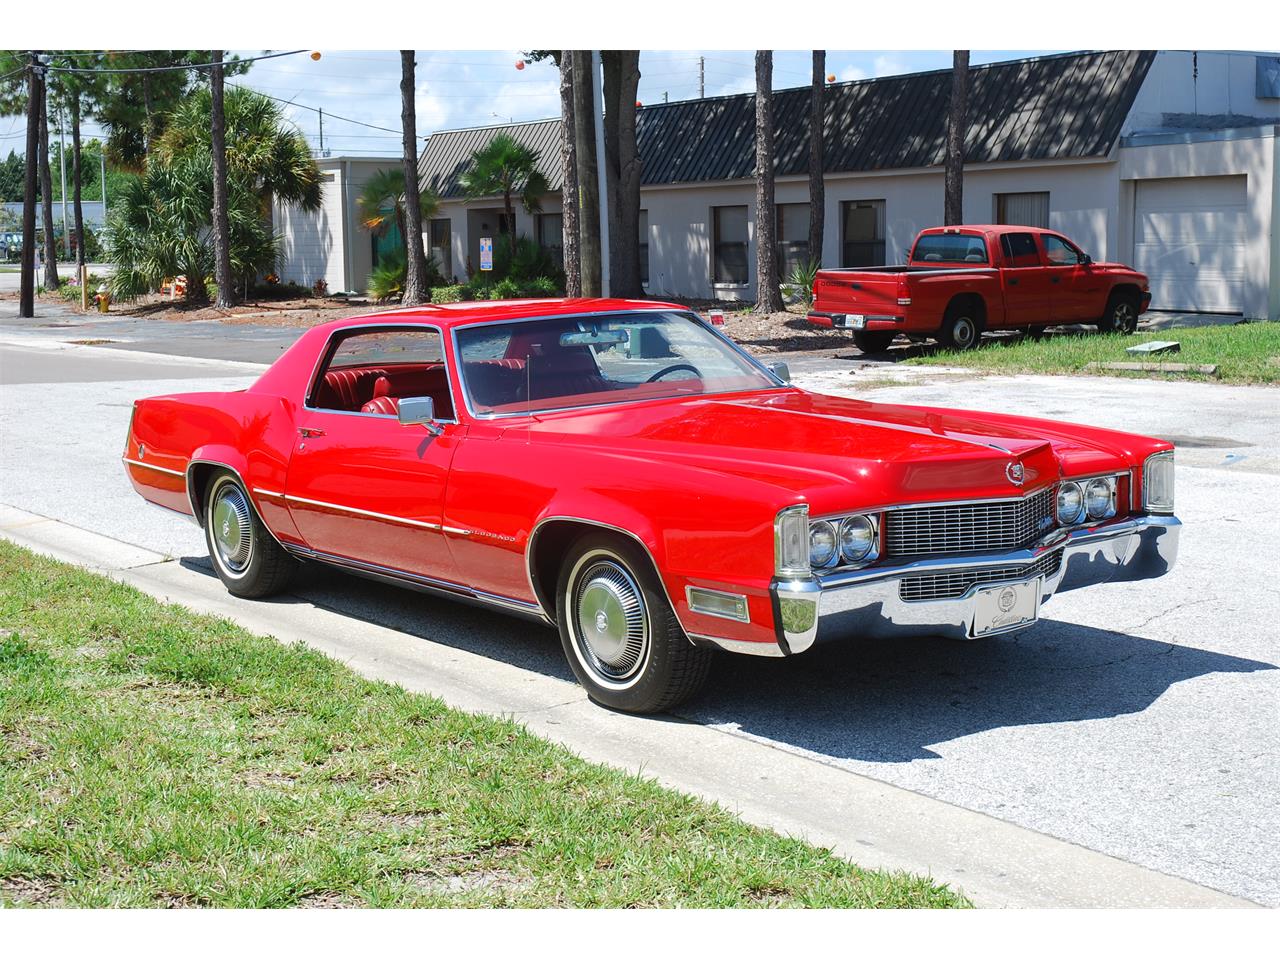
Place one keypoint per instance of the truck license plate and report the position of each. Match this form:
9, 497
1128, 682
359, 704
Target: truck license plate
1006, 607
853, 321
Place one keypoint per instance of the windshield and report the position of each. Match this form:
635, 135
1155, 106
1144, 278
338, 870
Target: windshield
950, 248
561, 362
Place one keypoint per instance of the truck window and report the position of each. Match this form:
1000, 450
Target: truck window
1020, 250
1059, 252
950, 248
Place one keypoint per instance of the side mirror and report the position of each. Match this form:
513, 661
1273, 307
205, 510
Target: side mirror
416, 411
1085, 260
781, 371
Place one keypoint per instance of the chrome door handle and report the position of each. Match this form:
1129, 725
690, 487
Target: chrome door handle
310, 432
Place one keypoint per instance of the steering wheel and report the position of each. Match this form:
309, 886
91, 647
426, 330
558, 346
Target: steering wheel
672, 369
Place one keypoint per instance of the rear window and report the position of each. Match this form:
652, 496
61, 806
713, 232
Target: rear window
950, 248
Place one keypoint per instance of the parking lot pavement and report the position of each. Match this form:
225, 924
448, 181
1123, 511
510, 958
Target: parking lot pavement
1137, 720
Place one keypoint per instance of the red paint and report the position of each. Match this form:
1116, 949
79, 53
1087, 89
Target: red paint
697, 479
1018, 292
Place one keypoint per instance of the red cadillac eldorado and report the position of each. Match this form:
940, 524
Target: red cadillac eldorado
621, 470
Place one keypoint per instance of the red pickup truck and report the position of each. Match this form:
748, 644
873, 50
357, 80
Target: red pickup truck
961, 281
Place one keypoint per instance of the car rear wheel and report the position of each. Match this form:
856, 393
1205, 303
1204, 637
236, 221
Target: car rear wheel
873, 341
618, 630
1121, 315
961, 329
247, 559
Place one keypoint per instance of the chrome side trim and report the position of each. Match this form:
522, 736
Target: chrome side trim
424, 524
445, 588
749, 647
528, 561
268, 493
152, 466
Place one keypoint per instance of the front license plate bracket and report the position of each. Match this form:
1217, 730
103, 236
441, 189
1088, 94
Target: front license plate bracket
1005, 606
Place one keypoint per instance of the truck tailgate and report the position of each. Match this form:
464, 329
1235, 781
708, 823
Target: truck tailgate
857, 292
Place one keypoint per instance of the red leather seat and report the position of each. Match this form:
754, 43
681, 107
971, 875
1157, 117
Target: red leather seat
389, 406
348, 389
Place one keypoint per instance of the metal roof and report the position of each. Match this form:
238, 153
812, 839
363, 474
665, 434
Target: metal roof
1067, 106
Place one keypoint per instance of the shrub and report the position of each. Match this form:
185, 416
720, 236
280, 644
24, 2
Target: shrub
528, 263
455, 293
799, 286
506, 289
543, 287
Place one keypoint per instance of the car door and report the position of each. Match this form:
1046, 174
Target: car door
1075, 288
1025, 280
361, 486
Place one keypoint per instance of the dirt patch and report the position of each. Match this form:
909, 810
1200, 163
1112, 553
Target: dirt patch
42, 891
327, 900
302, 312
180, 901
264, 779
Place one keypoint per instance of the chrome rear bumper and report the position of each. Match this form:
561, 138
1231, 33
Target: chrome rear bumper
869, 603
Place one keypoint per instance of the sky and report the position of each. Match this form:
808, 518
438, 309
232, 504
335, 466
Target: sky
457, 88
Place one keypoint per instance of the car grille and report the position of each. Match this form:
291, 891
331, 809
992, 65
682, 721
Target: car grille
957, 528
956, 583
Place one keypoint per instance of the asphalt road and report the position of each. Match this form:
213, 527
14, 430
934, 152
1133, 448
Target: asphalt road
1137, 720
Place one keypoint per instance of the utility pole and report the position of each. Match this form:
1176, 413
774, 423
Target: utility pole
62, 163
702, 77
321, 131
102, 159
597, 114
26, 305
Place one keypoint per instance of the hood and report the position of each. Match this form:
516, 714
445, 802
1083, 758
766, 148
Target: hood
832, 451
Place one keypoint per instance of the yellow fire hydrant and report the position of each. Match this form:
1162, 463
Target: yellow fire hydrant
103, 299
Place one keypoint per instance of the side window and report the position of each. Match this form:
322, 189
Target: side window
1059, 253
371, 371
1020, 250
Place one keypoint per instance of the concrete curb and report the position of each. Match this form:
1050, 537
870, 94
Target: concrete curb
997, 864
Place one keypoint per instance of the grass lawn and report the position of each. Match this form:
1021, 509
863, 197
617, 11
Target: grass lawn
1244, 353
153, 757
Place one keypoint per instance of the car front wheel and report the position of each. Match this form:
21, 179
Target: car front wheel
1121, 315
619, 632
245, 555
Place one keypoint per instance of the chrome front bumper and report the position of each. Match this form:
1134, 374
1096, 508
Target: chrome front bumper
868, 603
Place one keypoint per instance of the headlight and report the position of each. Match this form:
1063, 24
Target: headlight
791, 542
1070, 503
823, 547
1157, 483
1100, 499
857, 538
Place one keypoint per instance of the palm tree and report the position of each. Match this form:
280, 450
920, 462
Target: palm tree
415, 282
768, 292
569, 176
817, 187
382, 202
505, 167
221, 223
262, 145
957, 127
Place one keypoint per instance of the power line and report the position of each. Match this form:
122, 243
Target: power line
331, 116
187, 66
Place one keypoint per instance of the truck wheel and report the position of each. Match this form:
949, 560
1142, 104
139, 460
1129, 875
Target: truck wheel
873, 341
961, 329
619, 633
245, 556
1121, 315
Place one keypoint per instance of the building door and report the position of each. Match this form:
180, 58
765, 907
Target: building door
1189, 237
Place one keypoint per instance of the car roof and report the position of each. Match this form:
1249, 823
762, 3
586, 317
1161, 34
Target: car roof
449, 315
995, 228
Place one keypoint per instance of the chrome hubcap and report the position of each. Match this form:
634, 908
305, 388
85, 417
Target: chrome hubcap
964, 333
611, 622
232, 533
1124, 316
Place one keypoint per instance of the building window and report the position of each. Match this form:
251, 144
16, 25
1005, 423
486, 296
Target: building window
793, 237
862, 229
1023, 209
729, 239
551, 236
644, 248
441, 245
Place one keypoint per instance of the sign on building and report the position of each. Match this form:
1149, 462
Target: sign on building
486, 253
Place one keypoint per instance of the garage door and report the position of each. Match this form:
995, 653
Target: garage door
1189, 239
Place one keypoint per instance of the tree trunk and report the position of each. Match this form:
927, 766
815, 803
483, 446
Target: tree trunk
77, 183
569, 176
146, 107
416, 290
35, 96
817, 186
622, 170
46, 195
509, 214
768, 293
221, 223
957, 128
588, 186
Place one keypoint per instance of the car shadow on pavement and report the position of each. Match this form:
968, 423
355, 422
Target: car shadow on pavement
881, 701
